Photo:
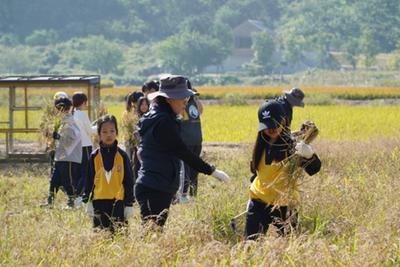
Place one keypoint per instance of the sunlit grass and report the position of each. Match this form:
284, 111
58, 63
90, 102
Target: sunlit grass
224, 123
239, 123
342, 221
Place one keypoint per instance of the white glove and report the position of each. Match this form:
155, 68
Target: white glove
222, 176
78, 202
128, 212
89, 209
304, 150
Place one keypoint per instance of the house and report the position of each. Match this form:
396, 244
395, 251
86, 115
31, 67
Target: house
242, 53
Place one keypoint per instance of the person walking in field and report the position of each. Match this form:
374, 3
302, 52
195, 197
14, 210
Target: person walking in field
109, 188
274, 191
161, 148
290, 99
68, 155
79, 102
192, 137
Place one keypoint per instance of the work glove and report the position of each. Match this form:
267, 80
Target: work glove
128, 212
90, 209
78, 202
304, 150
56, 136
222, 176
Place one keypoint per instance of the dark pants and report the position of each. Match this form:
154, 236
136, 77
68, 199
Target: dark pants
108, 214
191, 175
65, 175
154, 205
86, 151
260, 215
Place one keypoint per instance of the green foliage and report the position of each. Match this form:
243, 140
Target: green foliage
264, 47
42, 37
303, 33
100, 55
190, 52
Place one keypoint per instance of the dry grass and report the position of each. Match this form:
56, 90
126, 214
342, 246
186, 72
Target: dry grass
350, 215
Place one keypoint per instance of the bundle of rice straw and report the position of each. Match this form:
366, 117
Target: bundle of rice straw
307, 133
128, 128
50, 122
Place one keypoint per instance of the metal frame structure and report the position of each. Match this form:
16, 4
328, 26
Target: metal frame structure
89, 82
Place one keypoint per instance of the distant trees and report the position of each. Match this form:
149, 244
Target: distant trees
189, 35
264, 47
100, 55
190, 52
42, 37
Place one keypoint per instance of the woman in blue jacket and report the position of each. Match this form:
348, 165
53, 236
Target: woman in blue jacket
161, 149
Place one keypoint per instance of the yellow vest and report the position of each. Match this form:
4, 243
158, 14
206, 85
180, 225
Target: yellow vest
114, 188
272, 185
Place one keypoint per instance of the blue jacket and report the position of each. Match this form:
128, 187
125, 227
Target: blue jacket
160, 149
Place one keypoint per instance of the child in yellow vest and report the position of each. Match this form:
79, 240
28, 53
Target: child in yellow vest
270, 193
109, 187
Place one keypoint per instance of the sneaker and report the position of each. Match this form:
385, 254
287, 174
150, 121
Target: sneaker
71, 203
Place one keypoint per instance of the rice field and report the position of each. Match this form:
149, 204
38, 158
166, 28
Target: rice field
226, 123
348, 216
253, 92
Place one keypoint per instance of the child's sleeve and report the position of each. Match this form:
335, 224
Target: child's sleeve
89, 128
89, 183
312, 166
129, 198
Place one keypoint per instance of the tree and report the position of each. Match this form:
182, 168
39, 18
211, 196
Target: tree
42, 37
264, 47
100, 55
190, 52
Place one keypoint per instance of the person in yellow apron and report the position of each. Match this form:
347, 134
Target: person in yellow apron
271, 192
109, 187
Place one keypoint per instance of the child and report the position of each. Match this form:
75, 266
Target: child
129, 121
68, 155
150, 86
271, 193
143, 105
79, 101
109, 187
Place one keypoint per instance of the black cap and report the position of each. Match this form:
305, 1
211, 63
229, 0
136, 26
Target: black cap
270, 115
295, 97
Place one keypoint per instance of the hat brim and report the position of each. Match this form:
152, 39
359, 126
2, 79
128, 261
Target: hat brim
172, 94
293, 101
270, 124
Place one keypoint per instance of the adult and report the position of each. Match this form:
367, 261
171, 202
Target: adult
290, 99
192, 136
161, 148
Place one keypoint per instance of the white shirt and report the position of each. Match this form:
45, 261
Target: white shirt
82, 120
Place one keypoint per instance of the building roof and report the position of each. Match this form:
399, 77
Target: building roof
247, 27
51, 79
